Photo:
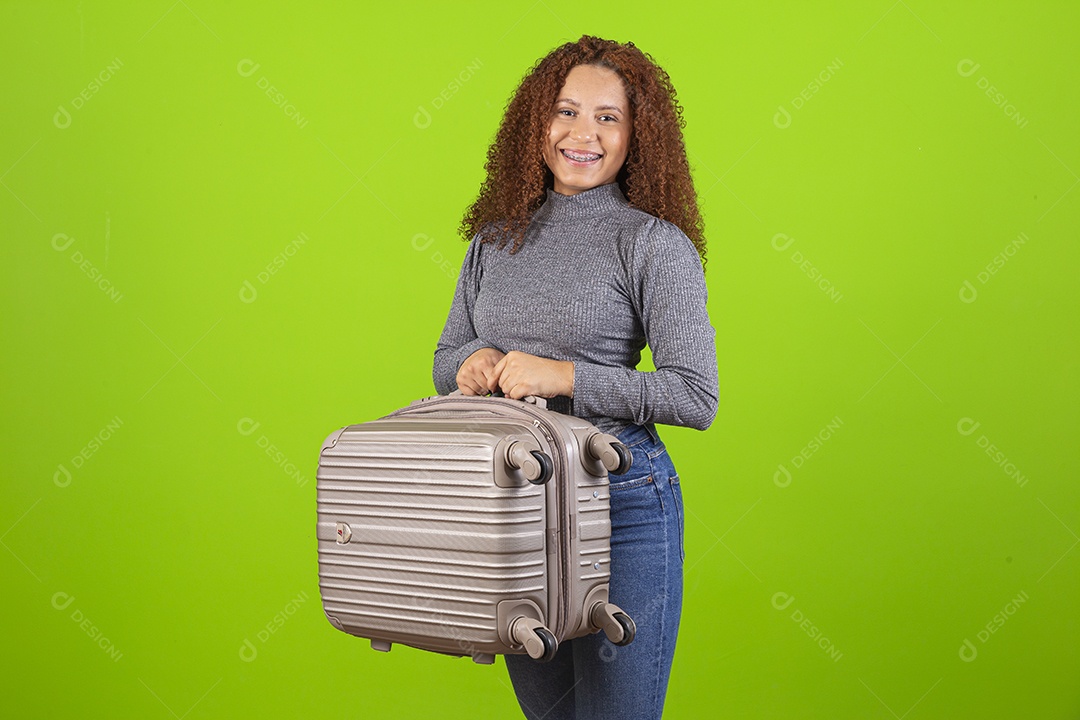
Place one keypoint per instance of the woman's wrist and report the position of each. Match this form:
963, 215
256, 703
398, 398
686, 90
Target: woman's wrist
568, 378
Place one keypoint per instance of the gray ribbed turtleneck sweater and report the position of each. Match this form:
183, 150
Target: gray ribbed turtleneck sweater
594, 281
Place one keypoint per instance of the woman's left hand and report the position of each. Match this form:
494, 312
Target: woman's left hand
520, 374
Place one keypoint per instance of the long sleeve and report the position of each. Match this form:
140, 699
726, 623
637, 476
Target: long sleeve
593, 283
667, 287
459, 339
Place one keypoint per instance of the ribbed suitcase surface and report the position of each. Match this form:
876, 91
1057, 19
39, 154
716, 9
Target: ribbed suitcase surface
430, 536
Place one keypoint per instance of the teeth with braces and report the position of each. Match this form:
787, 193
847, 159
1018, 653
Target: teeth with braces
580, 158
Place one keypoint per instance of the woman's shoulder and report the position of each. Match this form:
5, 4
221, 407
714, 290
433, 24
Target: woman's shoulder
487, 237
643, 232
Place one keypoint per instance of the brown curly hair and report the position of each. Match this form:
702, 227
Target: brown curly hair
655, 177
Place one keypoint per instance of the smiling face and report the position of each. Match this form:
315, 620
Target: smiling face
589, 133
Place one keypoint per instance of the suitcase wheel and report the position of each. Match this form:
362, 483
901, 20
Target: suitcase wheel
551, 646
629, 629
625, 459
546, 467
611, 453
534, 463
616, 624
537, 640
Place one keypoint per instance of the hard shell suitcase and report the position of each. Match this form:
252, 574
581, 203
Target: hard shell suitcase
471, 526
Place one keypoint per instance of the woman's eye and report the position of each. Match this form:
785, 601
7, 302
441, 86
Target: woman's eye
608, 117
566, 112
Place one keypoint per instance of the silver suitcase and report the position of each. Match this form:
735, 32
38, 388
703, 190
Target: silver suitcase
471, 526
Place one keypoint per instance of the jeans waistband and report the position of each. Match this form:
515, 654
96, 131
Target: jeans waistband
636, 434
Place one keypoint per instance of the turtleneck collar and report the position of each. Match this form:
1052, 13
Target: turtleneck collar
589, 203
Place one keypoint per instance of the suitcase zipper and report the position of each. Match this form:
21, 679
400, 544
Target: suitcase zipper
564, 520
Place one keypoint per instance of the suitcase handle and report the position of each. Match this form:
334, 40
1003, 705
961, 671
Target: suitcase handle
536, 400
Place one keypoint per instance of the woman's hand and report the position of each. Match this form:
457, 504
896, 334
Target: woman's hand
519, 374
473, 377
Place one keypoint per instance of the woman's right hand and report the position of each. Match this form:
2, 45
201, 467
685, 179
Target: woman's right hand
473, 375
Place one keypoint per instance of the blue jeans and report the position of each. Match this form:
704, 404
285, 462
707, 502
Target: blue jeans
590, 678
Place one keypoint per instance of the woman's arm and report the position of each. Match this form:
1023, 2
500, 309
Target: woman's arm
459, 340
667, 287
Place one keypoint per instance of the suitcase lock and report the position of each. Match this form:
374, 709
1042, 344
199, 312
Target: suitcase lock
344, 533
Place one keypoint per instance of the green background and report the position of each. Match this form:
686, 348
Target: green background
187, 551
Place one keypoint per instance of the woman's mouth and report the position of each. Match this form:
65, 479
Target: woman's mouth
581, 158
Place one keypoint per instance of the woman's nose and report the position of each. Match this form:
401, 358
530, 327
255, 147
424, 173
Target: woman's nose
583, 131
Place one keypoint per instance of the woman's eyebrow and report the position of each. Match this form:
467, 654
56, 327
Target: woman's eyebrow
576, 104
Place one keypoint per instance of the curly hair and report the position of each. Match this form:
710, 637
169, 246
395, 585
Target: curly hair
655, 177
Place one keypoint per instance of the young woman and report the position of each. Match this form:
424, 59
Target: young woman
586, 246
